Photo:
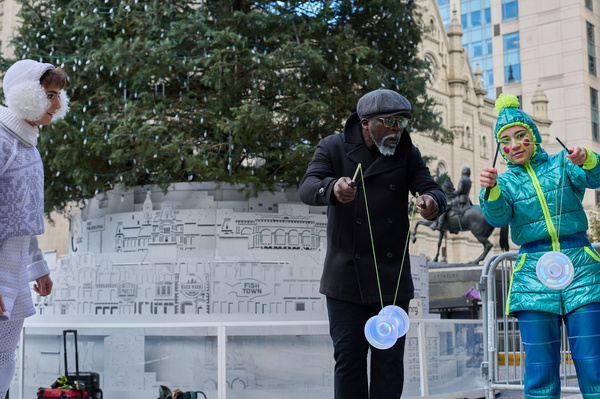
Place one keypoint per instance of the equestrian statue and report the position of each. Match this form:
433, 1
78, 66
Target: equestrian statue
462, 215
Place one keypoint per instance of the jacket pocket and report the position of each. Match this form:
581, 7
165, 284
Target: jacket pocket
520, 262
518, 265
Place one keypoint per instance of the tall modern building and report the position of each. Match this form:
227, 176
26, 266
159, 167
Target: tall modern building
521, 46
476, 22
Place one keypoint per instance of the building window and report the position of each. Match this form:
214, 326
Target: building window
477, 49
484, 147
469, 138
512, 58
440, 170
431, 70
163, 289
591, 48
511, 42
589, 4
594, 109
464, 18
476, 18
279, 237
510, 10
489, 77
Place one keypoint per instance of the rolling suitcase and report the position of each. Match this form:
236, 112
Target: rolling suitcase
90, 381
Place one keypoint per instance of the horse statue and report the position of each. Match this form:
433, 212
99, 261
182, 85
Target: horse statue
468, 219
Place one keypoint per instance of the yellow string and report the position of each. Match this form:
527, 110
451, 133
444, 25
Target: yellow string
362, 178
562, 189
373, 242
558, 206
412, 214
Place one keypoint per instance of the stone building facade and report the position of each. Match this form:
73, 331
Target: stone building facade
469, 114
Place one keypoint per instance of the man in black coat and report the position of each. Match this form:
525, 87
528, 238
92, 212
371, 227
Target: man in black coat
367, 264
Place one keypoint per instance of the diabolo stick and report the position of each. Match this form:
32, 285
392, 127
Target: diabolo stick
563, 146
353, 182
488, 189
421, 205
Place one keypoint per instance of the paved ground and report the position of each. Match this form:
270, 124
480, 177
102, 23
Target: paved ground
520, 395
514, 372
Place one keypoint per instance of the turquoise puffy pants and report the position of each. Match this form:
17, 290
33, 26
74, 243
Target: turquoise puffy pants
540, 334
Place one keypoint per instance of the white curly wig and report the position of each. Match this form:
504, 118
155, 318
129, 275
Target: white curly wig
25, 96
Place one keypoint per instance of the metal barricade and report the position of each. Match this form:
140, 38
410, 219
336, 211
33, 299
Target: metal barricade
503, 355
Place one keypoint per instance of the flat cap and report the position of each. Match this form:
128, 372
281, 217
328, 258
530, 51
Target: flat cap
383, 102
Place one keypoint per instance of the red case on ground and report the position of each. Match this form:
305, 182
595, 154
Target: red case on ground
61, 393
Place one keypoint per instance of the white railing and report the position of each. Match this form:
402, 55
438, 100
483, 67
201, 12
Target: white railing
503, 367
240, 359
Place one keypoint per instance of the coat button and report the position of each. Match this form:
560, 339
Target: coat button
392, 187
390, 254
357, 255
390, 220
358, 221
321, 190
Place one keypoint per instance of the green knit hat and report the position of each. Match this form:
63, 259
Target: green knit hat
509, 114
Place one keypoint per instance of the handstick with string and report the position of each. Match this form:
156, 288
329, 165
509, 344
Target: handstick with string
488, 189
565, 147
554, 269
392, 322
353, 182
422, 204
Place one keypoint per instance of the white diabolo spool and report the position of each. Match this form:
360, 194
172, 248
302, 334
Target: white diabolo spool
555, 270
381, 331
399, 315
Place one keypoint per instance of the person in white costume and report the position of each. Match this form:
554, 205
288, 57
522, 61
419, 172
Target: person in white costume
34, 96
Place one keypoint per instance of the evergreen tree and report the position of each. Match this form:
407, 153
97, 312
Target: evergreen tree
236, 91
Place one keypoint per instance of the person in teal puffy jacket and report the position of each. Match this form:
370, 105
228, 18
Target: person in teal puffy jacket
540, 197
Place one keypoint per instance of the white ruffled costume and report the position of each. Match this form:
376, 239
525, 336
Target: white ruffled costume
21, 202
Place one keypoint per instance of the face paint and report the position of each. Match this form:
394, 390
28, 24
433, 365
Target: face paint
521, 138
517, 144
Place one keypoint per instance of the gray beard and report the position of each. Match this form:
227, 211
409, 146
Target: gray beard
386, 151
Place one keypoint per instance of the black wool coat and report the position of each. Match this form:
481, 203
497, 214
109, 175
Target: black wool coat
350, 269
